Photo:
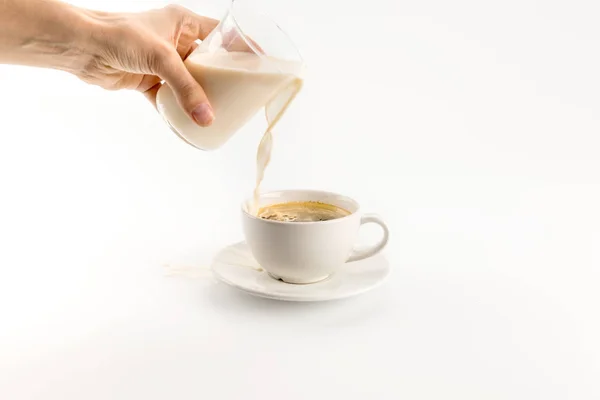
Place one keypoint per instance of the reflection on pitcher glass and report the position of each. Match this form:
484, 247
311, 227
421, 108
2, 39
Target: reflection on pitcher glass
246, 63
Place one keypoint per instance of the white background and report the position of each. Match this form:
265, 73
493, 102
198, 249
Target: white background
471, 126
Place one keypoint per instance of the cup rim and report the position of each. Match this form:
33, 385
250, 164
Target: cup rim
246, 202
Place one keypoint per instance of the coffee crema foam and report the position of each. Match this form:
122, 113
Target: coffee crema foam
302, 211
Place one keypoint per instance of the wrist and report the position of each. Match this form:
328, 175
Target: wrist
71, 46
48, 34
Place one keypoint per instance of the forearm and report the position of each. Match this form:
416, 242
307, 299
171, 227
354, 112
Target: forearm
43, 33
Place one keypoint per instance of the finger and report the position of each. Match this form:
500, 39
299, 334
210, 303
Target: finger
147, 82
202, 25
188, 92
151, 93
234, 41
190, 50
149, 86
205, 25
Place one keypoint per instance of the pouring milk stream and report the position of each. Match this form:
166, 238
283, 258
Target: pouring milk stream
238, 84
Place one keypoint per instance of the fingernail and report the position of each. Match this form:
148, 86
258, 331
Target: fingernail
203, 114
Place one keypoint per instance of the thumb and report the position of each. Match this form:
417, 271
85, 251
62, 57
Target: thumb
188, 92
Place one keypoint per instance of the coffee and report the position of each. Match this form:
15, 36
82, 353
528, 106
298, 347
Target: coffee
302, 211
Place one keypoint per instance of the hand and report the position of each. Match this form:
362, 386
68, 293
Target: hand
137, 51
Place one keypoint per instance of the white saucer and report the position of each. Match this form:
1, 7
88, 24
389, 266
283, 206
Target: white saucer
235, 266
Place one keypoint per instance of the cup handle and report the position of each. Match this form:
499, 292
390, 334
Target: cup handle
371, 251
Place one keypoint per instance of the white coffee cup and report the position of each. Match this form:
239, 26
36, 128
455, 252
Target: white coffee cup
307, 252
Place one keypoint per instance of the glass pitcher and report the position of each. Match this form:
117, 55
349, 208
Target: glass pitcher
246, 63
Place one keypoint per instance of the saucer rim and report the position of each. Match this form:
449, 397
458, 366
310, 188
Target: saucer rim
292, 298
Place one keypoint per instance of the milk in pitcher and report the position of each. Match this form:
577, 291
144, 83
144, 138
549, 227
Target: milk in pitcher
238, 85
